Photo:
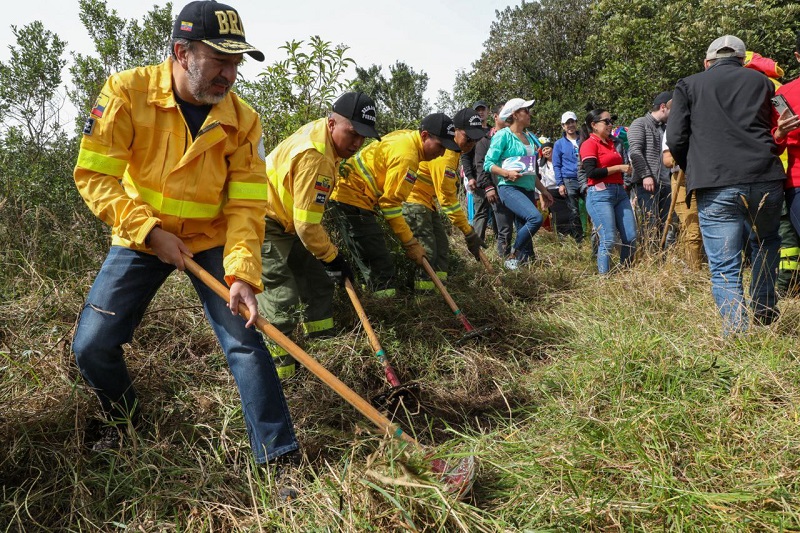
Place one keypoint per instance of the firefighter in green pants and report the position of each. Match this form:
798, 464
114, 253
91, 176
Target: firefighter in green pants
789, 265
379, 178
437, 180
300, 263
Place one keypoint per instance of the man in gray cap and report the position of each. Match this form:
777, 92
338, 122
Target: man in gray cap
720, 132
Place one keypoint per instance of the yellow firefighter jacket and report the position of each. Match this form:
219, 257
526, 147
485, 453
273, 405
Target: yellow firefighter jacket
138, 168
302, 171
438, 178
383, 174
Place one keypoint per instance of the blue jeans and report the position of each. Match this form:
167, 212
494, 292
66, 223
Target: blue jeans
730, 216
124, 287
611, 212
522, 203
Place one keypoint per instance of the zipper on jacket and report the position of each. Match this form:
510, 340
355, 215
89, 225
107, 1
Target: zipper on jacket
207, 128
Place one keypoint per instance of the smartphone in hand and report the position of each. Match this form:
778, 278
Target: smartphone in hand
781, 105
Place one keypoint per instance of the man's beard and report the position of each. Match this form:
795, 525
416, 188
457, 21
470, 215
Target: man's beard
200, 88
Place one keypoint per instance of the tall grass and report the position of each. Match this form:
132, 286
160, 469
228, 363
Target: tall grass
597, 404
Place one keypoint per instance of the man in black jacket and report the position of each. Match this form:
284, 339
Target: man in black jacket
487, 182
719, 131
482, 211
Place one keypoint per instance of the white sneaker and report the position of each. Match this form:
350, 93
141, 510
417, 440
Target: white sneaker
512, 264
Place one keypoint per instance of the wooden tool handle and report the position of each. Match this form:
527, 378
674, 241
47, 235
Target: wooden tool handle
394, 381
350, 396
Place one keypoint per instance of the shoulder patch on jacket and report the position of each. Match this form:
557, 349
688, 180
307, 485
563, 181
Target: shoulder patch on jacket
411, 177
323, 183
100, 106
449, 173
88, 126
321, 198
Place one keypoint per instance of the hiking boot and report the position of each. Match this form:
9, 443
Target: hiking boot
766, 316
285, 475
102, 435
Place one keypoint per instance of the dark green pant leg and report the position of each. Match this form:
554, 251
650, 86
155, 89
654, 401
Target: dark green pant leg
316, 291
365, 239
429, 231
789, 266
279, 303
442, 257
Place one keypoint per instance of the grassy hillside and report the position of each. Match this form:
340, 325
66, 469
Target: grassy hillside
597, 404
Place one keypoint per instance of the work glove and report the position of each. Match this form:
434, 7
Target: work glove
414, 251
474, 244
338, 269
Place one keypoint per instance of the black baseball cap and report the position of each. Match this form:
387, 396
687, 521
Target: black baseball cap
440, 126
359, 109
662, 98
479, 103
469, 121
217, 25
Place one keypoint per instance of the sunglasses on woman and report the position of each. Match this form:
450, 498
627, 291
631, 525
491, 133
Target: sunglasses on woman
606, 121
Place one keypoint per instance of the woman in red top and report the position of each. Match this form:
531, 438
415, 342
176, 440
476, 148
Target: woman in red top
606, 200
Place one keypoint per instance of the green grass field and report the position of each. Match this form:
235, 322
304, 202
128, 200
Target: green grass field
597, 404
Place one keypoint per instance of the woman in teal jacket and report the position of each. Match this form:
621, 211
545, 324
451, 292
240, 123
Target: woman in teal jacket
512, 157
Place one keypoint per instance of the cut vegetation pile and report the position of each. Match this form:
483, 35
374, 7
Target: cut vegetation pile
596, 403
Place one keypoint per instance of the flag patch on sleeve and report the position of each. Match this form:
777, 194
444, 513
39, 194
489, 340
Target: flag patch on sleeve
100, 106
411, 177
450, 173
323, 183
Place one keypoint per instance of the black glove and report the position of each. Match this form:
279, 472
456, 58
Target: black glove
338, 269
474, 244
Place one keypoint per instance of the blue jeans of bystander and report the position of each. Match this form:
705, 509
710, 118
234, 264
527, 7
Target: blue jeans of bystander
729, 216
611, 212
522, 203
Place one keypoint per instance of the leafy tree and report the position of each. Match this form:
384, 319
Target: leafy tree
298, 89
119, 44
29, 84
37, 195
645, 46
446, 103
400, 98
534, 51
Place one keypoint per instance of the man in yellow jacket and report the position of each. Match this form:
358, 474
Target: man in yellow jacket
174, 163
438, 179
381, 176
297, 251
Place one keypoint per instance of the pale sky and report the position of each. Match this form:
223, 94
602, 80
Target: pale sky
435, 36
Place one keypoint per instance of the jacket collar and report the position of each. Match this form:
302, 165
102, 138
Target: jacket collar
160, 93
657, 123
418, 143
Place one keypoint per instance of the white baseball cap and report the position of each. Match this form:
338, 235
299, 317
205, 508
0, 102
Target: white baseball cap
515, 104
567, 116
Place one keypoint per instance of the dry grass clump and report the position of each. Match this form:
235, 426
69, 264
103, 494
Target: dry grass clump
600, 403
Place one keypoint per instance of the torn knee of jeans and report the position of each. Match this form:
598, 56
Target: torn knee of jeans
99, 310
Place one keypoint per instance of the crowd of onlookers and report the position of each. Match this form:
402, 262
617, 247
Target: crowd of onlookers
711, 171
